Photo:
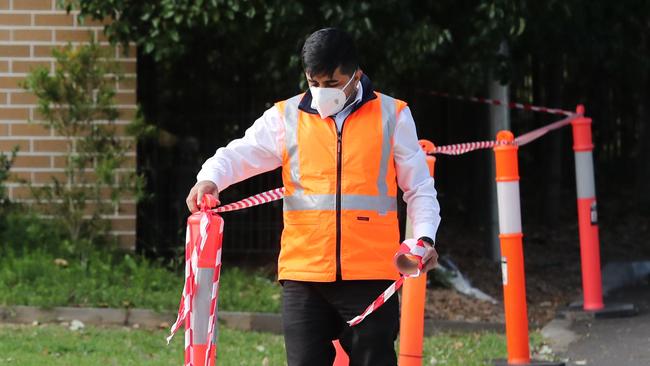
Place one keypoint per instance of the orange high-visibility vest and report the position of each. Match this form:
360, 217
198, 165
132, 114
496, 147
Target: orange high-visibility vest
340, 206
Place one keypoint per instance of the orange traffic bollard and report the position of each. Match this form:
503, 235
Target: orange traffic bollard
588, 223
342, 358
414, 299
429, 148
198, 324
512, 253
587, 213
512, 256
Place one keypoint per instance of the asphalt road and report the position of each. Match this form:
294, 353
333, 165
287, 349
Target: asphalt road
615, 342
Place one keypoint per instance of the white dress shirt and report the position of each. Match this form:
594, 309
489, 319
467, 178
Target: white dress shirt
260, 150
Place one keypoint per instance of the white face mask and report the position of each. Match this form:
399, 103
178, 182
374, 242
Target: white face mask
328, 101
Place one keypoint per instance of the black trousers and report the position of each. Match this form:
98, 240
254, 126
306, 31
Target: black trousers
314, 314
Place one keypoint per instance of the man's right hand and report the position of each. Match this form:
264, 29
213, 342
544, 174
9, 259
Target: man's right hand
195, 196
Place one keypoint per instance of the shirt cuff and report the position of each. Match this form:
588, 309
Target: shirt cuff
214, 178
424, 229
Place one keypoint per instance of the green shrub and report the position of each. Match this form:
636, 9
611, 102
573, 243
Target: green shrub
37, 278
78, 102
41, 279
22, 232
6, 161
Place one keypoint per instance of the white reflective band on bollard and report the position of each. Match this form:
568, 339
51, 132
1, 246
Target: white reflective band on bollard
509, 210
585, 174
202, 301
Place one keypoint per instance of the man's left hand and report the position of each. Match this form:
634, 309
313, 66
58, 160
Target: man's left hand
430, 258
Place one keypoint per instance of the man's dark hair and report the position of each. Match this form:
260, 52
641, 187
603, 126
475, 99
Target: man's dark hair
327, 49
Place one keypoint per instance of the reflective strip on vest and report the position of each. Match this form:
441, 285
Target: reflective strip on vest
298, 201
388, 121
327, 202
291, 141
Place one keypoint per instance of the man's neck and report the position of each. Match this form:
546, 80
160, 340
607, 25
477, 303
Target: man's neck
355, 97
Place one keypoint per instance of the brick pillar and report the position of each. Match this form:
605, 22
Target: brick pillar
29, 29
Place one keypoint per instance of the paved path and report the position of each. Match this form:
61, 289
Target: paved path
615, 342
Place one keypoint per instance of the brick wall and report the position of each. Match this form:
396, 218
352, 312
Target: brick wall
29, 29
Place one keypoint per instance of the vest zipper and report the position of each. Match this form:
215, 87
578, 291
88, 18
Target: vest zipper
339, 169
338, 203
339, 163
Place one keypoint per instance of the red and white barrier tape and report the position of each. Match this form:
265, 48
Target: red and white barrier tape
258, 199
462, 148
409, 248
537, 133
511, 105
214, 296
185, 306
528, 137
191, 287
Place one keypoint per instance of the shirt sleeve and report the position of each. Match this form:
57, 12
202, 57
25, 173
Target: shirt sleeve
413, 178
259, 151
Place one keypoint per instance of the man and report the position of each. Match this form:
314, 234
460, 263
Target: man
343, 149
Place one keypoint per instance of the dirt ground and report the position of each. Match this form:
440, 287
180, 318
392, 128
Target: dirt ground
552, 263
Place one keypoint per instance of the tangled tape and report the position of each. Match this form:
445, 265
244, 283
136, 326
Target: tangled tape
193, 252
408, 261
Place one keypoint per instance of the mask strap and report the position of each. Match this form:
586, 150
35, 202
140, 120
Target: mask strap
347, 98
348, 83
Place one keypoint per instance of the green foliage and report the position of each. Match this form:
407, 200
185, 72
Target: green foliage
6, 161
140, 128
41, 279
451, 42
37, 277
160, 27
395, 37
77, 101
22, 232
8, 209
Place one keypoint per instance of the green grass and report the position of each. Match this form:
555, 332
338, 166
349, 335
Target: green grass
56, 345
247, 290
121, 281
463, 349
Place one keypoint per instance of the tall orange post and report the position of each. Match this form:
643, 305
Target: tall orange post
512, 255
512, 252
342, 358
587, 213
588, 223
414, 298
